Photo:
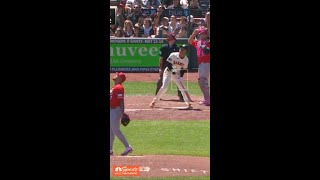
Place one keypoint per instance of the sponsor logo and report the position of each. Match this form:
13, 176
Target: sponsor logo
126, 171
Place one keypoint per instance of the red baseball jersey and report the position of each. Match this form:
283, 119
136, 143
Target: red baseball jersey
116, 94
202, 58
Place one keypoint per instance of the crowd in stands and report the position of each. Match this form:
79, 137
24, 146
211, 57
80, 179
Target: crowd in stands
131, 21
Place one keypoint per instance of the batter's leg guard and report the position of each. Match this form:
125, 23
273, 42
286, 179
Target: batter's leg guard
204, 86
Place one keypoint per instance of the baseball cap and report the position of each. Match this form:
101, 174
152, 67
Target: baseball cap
171, 37
122, 75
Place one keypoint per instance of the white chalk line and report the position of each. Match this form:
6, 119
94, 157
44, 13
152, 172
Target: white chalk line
161, 109
143, 110
129, 156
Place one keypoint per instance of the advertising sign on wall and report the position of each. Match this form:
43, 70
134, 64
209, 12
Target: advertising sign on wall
138, 54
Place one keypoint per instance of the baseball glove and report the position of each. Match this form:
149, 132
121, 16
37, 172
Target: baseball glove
125, 120
206, 50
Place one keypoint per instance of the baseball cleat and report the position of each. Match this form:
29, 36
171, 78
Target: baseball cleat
203, 102
152, 104
127, 151
189, 106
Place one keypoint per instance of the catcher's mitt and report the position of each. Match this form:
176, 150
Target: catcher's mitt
125, 120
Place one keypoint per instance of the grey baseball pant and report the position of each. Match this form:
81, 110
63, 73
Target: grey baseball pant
204, 74
115, 119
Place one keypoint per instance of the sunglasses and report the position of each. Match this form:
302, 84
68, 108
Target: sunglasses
136, 7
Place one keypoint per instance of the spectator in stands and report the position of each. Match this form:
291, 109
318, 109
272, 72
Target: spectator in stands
127, 10
165, 31
140, 23
111, 33
136, 31
113, 27
141, 20
166, 3
192, 23
128, 28
118, 33
165, 22
182, 33
162, 32
202, 22
176, 4
183, 21
153, 4
155, 23
159, 12
147, 28
134, 16
120, 17
123, 2
132, 3
174, 25
195, 9
184, 4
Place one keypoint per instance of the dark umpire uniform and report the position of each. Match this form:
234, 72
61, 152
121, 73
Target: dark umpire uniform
165, 51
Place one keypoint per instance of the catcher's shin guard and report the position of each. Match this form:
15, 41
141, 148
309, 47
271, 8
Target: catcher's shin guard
204, 86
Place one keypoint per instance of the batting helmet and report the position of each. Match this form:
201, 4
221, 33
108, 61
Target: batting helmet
184, 46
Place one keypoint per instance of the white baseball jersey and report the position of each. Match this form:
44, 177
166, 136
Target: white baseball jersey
177, 62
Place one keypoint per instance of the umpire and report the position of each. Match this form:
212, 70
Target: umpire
165, 51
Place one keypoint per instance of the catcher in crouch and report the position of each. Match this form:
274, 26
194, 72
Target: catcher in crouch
178, 61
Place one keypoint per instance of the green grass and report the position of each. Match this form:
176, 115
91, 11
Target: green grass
190, 138
149, 88
166, 178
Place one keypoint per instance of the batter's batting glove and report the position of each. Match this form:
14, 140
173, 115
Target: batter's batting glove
173, 71
125, 120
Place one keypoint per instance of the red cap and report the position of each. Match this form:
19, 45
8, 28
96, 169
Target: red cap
122, 75
171, 37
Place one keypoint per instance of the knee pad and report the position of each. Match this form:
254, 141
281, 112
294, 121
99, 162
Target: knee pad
202, 80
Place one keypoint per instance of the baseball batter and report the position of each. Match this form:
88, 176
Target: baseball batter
203, 52
177, 61
116, 113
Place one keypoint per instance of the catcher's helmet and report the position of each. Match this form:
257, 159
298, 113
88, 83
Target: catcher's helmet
184, 46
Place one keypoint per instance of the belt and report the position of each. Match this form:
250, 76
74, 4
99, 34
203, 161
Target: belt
114, 107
